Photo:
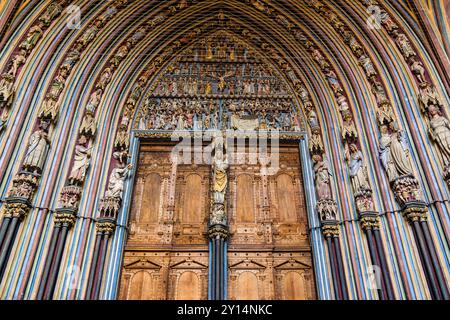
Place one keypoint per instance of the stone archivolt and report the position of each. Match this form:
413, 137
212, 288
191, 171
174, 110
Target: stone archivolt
394, 149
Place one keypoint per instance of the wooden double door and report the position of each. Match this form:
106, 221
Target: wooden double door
166, 254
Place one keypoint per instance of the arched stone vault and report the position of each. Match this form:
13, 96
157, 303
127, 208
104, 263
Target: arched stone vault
96, 55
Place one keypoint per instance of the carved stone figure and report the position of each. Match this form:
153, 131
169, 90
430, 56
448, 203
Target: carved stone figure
89, 34
71, 59
388, 23
18, 60
88, 126
120, 55
320, 59
428, 96
440, 132
32, 38
315, 142
418, 70
405, 46
380, 94
349, 129
104, 79
138, 35
394, 154
49, 109
52, 11
116, 181
81, 162
322, 177
220, 166
334, 82
6, 89
358, 172
94, 100
367, 64
58, 83
37, 150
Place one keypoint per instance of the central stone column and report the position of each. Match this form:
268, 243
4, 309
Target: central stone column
218, 224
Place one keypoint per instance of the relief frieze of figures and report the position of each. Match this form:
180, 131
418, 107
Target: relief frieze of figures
219, 84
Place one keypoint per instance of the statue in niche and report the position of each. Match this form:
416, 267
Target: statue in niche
89, 34
105, 77
52, 11
428, 96
58, 83
88, 126
440, 132
405, 46
120, 55
32, 38
220, 166
138, 35
343, 105
37, 149
358, 171
367, 64
334, 82
322, 177
94, 100
312, 117
81, 162
72, 58
18, 60
6, 89
49, 109
380, 94
320, 59
418, 70
394, 153
3, 120
387, 21
116, 181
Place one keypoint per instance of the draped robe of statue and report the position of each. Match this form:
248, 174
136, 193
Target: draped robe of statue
357, 171
81, 164
440, 132
322, 180
394, 155
37, 151
400, 154
220, 178
116, 182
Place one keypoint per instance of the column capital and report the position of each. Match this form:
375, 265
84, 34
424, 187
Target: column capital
415, 211
106, 226
16, 207
330, 230
218, 231
65, 216
369, 220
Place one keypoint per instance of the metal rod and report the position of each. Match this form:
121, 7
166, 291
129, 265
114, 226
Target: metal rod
56, 264
384, 267
221, 270
340, 268
434, 259
336, 284
101, 266
375, 260
48, 262
90, 283
4, 229
422, 246
213, 270
9, 239
217, 275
